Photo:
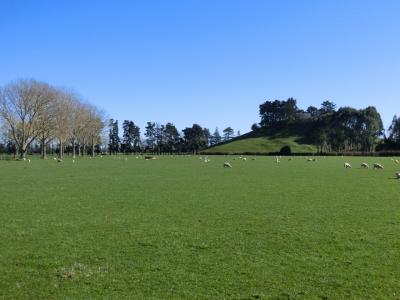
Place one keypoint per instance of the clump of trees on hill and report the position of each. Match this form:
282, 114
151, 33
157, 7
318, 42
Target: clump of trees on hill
37, 114
331, 129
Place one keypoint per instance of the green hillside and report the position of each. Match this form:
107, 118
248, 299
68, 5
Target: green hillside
262, 145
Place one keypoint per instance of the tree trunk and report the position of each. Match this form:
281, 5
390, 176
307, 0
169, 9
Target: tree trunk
43, 144
73, 148
61, 152
22, 154
92, 147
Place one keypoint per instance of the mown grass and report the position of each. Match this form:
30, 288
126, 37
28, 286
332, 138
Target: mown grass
178, 228
262, 145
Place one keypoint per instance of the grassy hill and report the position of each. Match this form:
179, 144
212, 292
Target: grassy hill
262, 145
267, 141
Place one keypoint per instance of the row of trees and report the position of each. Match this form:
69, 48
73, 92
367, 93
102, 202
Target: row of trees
35, 113
160, 138
331, 129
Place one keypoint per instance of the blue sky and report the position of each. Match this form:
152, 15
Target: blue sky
206, 62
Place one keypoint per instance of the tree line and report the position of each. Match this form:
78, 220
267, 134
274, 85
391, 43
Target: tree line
38, 117
35, 114
163, 138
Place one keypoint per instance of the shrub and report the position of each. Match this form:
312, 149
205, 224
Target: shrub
286, 150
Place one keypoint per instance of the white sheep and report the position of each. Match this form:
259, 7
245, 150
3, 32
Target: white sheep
365, 165
347, 165
378, 166
398, 175
396, 161
227, 165
277, 160
244, 158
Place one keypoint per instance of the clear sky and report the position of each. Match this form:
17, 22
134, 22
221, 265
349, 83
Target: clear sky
206, 62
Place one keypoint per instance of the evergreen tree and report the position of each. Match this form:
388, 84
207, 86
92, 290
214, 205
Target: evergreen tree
114, 140
216, 137
194, 138
394, 130
207, 136
228, 133
171, 135
131, 136
150, 134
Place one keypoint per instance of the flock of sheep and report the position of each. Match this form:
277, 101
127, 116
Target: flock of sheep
364, 165
376, 166
226, 164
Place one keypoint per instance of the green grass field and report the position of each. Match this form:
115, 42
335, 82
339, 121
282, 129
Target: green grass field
178, 228
262, 145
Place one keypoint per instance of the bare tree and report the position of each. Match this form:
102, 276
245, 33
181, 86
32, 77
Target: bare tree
95, 126
21, 104
63, 109
46, 121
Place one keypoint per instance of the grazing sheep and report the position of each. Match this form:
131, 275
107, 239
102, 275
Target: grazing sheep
378, 166
309, 159
347, 165
398, 175
244, 158
396, 161
54, 158
227, 165
29, 160
59, 160
365, 165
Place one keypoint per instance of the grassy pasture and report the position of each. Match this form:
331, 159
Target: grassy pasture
178, 228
